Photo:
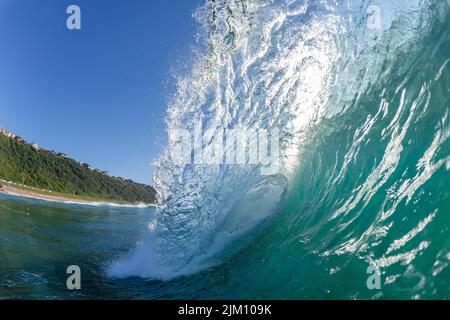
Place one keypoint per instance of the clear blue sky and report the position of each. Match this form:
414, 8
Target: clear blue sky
97, 94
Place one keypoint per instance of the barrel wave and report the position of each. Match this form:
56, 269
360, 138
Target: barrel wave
362, 108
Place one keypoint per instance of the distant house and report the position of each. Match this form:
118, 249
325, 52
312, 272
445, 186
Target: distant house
19, 139
87, 166
105, 173
7, 133
35, 146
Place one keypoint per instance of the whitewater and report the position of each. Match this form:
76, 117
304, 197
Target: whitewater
361, 106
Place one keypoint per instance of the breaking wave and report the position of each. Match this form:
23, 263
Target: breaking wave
361, 105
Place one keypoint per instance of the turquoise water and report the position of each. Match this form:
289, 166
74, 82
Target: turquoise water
363, 116
39, 240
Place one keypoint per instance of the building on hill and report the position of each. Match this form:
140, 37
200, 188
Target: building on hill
7, 133
18, 138
87, 166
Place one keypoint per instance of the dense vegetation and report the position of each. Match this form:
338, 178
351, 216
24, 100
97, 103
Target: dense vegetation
22, 164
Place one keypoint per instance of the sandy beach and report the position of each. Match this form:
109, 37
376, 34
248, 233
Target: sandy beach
26, 193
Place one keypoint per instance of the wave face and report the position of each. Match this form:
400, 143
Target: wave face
361, 107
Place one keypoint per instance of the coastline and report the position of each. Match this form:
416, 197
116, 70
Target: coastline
58, 198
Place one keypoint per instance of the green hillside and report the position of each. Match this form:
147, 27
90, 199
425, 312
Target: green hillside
23, 164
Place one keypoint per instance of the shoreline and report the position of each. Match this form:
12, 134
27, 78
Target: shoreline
17, 192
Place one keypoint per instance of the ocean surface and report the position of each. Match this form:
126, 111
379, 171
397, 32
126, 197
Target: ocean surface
360, 94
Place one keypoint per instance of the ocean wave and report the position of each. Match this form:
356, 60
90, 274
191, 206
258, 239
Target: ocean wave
346, 96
